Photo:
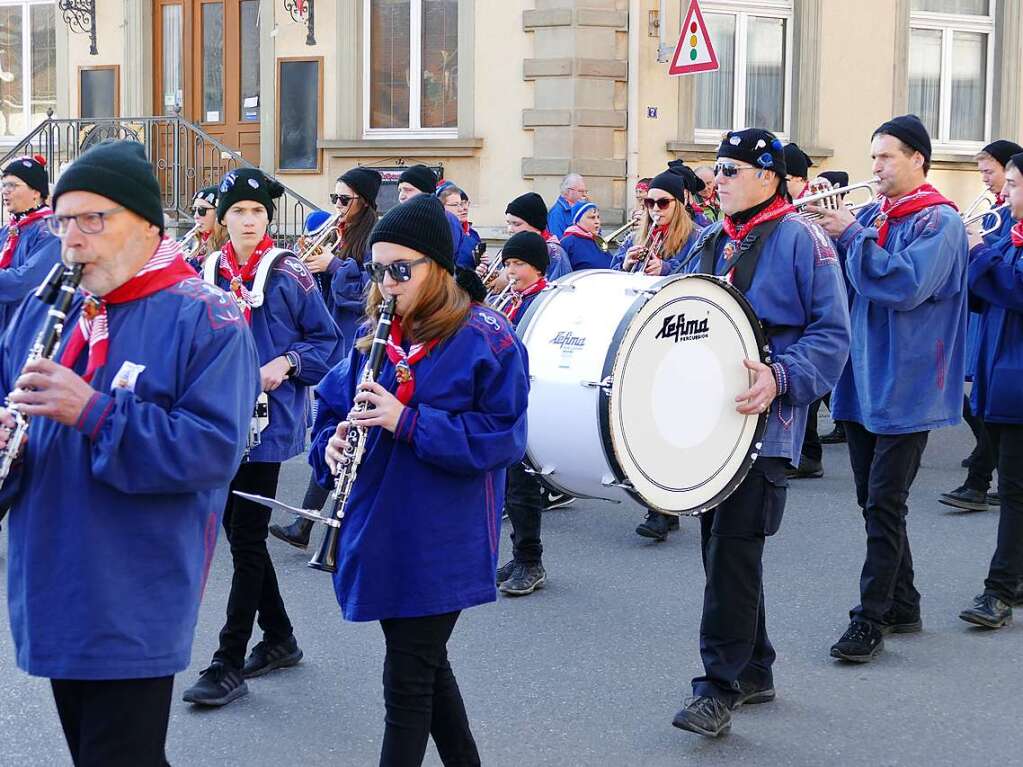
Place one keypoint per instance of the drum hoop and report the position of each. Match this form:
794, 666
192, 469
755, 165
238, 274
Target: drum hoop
604, 398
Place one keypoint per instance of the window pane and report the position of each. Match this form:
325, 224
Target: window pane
250, 60
715, 91
44, 61
12, 104
925, 76
389, 64
765, 74
440, 64
173, 72
969, 86
212, 62
971, 7
298, 115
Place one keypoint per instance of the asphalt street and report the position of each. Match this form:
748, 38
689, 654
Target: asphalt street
591, 670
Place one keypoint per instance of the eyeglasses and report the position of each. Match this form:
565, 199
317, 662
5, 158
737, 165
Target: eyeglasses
730, 171
457, 204
400, 271
661, 203
88, 223
201, 210
10, 186
344, 199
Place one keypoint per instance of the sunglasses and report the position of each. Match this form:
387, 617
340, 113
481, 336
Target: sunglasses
730, 171
344, 199
201, 210
400, 271
661, 204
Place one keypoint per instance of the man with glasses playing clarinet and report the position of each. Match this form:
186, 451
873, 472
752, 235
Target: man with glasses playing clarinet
137, 427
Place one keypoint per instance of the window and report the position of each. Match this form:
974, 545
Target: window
752, 88
299, 113
28, 65
951, 47
411, 56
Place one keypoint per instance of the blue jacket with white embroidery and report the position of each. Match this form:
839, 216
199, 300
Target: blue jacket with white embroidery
343, 287
293, 318
559, 264
908, 311
798, 295
35, 254
421, 531
114, 520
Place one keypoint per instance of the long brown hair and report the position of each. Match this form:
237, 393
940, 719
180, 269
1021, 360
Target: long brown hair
357, 233
439, 311
679, 230
218, 237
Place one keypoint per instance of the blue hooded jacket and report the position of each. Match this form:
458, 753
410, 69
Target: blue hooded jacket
35, 254
559, 265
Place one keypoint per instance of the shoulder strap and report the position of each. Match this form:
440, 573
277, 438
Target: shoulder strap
707, 247
210, 267
268, 262
749, 254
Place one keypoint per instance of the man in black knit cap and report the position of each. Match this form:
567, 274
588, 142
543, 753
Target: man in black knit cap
419, 179
797, 166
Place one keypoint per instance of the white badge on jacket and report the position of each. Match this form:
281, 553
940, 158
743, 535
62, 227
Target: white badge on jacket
127, 376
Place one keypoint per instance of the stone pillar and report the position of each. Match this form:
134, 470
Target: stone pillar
578, 119
137, 68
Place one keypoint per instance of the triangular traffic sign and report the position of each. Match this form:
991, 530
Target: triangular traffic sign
694, 52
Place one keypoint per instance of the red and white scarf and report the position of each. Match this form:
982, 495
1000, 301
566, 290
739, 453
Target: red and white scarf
923, 196
1017, 235
518, 298
403, 361
237, 275
778, 208
19, 222
577, 231
166, 267
549, 237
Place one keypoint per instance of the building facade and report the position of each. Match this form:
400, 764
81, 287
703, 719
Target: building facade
509, 95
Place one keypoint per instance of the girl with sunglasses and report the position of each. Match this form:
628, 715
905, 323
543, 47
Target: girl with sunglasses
446, 417
211, 233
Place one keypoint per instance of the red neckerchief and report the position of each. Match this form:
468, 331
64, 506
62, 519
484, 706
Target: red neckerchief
403, 361
518, 298
19, 222
778, 208
237, 276
1017, 235
204, 237
577, 231
696, 208
999, 200
923, 196
466, 226
548, 236
164, 268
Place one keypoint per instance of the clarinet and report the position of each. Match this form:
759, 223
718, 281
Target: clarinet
58, 290
325, 558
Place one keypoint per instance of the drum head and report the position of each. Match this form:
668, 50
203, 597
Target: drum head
669, 421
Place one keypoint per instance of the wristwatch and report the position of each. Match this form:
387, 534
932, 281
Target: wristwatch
293, 360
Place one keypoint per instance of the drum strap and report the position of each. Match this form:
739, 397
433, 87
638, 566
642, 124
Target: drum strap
745, 261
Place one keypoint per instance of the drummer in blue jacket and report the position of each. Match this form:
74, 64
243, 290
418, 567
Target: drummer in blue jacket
134, 437
996, 290
579, 239
905, 265
447, 416
788, 271
297, 343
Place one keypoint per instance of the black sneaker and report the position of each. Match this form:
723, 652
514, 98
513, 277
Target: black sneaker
556, 500
525, 580
901, 622
504, 572
657, 525
807, 469
218, 685
965, 498
834, 437
750, 695
704, 716
296, 534
988, 611
264, 657
994, 499
861, 643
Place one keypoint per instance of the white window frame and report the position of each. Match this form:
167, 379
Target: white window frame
415, 129
948, 24
742, 10
26, 61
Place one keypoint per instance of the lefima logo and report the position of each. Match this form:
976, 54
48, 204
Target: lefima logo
678, 328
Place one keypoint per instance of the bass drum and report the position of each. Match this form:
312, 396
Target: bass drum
633, 380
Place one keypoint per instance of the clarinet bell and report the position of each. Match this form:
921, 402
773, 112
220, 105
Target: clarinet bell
325, 558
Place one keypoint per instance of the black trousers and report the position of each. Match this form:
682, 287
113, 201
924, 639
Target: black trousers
984, 457
884, 467
254, 589
422, 696
115, 722
1006, 571
524, 504
315, 496
812, 448
734, 644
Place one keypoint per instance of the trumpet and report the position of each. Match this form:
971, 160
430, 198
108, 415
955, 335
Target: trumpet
499, 301
604, 243
831, 197
653, 245
191, 243
984, 201
997, 212
324, 237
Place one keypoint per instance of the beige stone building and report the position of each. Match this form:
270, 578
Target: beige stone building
509, 95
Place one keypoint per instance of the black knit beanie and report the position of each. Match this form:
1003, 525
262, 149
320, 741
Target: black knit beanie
760, 148
797, 162
471, 283
677, 180
207, 194
1003, 150
119, 171
248, 184
910, 131
531, 208
365, 182
1017, 161
838, 178
421, 177
419, 224
529, 247
31, 170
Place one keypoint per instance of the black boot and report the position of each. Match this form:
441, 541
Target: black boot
965, 498
988, 611
709, 717
657, 525
296, 534
835, 436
